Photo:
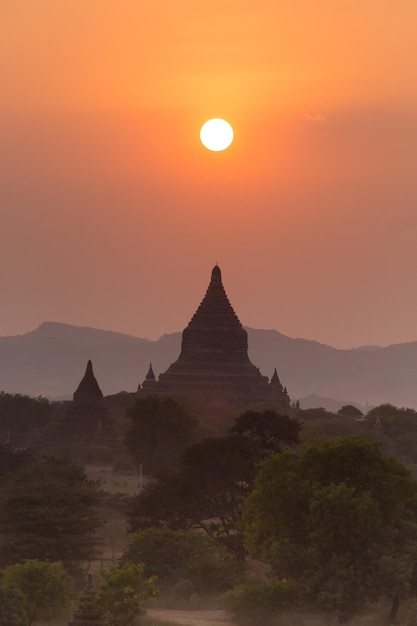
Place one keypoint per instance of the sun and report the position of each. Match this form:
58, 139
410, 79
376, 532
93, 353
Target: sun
216, 134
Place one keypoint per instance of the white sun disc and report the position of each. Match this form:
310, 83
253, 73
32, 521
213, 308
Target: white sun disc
216, 134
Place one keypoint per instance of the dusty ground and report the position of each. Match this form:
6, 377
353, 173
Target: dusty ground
220, 618
191, 618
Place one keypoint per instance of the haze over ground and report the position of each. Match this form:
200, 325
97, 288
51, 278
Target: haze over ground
113, 214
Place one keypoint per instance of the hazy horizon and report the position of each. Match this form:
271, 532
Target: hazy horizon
156, 338
113, 214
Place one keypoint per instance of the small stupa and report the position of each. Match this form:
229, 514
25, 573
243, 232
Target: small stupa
87, 418
214, 367
150, 381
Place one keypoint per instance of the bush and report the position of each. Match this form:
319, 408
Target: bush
12, 610
123, 593
177, 555
253, 605
44, 587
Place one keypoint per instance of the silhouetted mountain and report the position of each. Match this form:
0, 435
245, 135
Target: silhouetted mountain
49, 361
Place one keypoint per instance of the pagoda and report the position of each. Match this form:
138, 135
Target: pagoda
87, 418
213, 367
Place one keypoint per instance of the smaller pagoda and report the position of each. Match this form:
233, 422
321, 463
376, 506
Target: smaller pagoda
149, 384
87, 418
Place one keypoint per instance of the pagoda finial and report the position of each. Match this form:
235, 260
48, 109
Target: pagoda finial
216, 273
150, 375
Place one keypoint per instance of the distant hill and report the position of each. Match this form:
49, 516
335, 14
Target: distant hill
50, 361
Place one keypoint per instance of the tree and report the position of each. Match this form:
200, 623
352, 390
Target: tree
161, 428
175, 556
340, 519
12, 610
12, 459
44, 588
270, 430
164, 500
123, 594
23, 414
48, 511
219, 473
392, 421
396, 428
207, 493
319, 425
349, 410
261, 603
214, 477
164, 552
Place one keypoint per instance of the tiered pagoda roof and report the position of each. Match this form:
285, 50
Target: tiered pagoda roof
214, 365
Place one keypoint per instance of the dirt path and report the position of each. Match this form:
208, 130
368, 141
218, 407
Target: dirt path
192, 618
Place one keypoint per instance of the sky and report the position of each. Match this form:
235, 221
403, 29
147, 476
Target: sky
113, 213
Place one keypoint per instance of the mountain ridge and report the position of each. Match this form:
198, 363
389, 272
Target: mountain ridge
50, 361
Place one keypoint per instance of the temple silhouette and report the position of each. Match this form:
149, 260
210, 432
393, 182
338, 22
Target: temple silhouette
87, 418
213, 375
213, 368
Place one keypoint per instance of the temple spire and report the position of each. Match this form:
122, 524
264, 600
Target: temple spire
150, 375
150, 380
88, 390
215, 309
275, 381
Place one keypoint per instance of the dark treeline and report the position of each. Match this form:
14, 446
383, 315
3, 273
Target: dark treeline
323, 503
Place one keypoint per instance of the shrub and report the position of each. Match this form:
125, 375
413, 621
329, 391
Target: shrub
176, 555
44, 587
253, 605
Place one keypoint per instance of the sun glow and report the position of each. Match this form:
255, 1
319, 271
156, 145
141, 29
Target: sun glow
216, 134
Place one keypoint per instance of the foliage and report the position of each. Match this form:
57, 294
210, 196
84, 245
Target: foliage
207, 493
219, 473
349, 410
394, 422
332, 425
123, 594
48, 511
12, 459
44, 587
315, 413
270, 430
214, 477
396, 428
161, 428
259, 604
88, 602
161, 501
176, 555
406, 447
12, 610
22, 413
340, 519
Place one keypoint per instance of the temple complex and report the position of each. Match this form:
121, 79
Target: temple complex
213, 368
87, 418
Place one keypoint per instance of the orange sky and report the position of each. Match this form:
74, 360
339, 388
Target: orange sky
113, 214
